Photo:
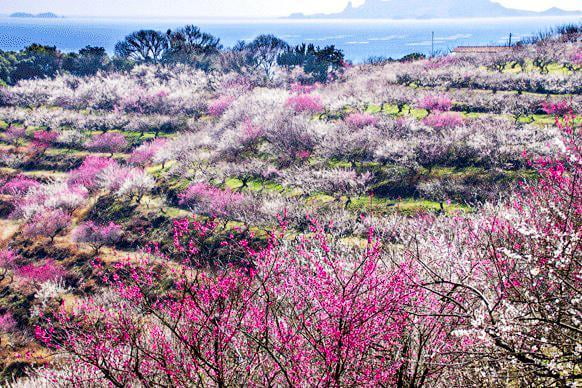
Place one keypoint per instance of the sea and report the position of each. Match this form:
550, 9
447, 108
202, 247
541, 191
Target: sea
359, 39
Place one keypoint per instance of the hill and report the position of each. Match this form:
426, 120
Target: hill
421, 9
45, 15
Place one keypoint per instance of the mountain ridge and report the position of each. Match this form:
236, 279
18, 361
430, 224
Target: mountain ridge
44, 15
421, 9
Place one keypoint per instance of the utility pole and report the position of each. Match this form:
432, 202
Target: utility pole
432, 45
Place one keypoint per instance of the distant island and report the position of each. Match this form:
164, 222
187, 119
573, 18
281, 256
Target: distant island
45, 15
422, 9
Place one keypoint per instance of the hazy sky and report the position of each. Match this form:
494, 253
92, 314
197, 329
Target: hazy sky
221, 8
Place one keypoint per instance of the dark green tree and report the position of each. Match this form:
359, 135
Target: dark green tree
88, 61
191, 46
36, 61
144, 46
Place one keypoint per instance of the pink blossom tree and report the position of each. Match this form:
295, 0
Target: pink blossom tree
97, 235
87, 174
146, 153
440, 102
217, 107
305, 103
41, 272
129, 182
305, 315
109, 142
361, 120
42, 140
520, 265
210, 201
19, 185
444, 120
48, 223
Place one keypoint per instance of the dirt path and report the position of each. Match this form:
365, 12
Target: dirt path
8, 229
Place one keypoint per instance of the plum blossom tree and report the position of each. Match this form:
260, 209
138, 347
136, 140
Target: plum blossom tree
344, 142
110, 142
337, 182
130, 182
361, 120
49, 223
293, 139
210, 201
217, 107
147, 152
440, 102
520, 265
305, 103
317, 313
444, 120
97, 235
42, 140
19, 185
41, 272
87, 174
244, 139
58, 195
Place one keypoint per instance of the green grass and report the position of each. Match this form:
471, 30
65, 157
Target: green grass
393, 110
254, 185
406, 206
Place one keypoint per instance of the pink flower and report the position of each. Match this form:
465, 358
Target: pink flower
43, 139
8, 258
560, 108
